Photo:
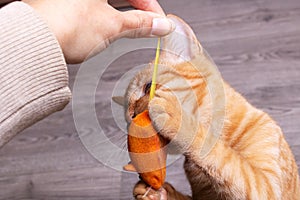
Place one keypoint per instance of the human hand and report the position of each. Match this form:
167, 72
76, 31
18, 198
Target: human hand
167, 192
143, 192
82, 25
147, 5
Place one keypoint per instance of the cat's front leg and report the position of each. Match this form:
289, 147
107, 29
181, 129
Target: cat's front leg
172, 120
142, 192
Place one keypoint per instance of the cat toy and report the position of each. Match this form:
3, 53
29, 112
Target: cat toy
145, 145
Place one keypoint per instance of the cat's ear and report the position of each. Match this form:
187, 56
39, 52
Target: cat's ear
119, 100
181, 45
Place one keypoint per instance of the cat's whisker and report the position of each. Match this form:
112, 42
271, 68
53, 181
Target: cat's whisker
124, 146
123, 142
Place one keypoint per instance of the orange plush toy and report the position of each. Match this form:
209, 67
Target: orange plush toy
148, 157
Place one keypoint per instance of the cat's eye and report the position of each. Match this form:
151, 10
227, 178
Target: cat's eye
147, 88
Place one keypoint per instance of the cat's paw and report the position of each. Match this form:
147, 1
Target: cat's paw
143, 192
172, 121
165, 113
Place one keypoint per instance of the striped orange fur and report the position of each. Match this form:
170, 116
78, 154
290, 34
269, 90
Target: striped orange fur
250, 159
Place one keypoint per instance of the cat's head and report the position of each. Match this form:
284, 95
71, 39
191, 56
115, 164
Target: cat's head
177, 49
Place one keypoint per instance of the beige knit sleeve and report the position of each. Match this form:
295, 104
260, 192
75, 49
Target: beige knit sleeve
33, 72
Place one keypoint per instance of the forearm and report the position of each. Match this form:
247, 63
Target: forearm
33, 73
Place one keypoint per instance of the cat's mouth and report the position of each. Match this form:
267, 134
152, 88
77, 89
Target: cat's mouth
142, 103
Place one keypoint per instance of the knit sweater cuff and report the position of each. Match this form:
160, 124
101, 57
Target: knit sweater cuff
33, 72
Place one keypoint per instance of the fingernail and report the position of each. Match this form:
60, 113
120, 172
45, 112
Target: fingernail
162, 26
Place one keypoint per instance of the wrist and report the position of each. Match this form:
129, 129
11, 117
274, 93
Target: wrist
48, 12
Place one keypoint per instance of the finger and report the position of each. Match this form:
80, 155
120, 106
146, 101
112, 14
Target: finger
147, 5
139, 191
141, 197
138, 23
163, 194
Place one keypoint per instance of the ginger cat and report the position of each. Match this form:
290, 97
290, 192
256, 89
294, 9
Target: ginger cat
249, 160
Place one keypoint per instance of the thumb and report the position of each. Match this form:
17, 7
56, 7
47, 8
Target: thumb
137, 23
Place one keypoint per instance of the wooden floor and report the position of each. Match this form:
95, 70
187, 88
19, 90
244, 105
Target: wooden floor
256, 45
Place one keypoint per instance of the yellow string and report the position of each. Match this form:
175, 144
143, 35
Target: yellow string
154, 75
149, 189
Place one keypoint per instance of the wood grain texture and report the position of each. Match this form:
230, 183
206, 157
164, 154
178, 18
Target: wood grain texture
256, 45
